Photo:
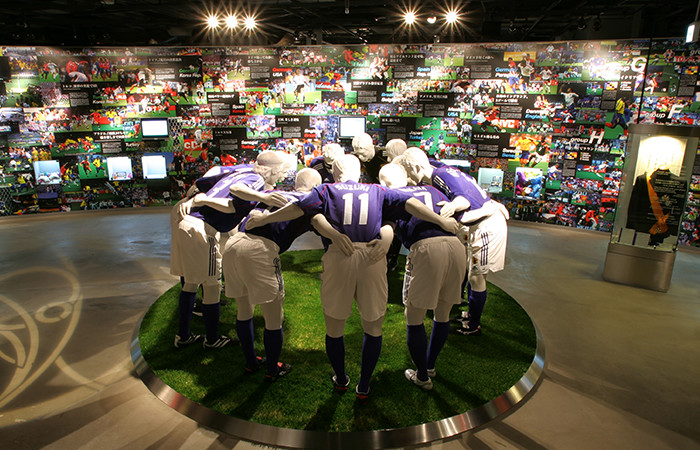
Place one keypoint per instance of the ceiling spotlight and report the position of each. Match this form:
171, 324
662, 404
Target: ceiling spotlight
511, 27
409, 18
250, 22
213, 22
231, 21
432, 20
452, 17
581, 23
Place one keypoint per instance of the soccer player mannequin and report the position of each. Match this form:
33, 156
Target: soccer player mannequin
324, 164
253, 276
354, 264
486, 221
435, 267
372, 160
207, 220
394, 148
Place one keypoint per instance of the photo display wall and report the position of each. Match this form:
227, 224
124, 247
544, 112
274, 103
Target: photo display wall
541, 126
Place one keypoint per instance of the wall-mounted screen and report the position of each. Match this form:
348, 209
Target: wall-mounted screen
119, 168
491, 180
349, 127
154, 167
154, 128
47, 172
461, 164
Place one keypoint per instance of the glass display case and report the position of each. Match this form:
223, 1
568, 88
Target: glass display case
654, 189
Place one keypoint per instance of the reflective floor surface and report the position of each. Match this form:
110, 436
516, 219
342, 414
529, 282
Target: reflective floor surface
623, 363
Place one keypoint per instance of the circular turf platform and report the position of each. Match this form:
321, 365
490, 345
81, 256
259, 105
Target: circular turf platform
478, 378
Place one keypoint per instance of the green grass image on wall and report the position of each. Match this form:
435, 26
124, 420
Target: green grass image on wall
470, 370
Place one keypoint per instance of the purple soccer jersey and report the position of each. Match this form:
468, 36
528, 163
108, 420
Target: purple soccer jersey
454, 183
411, 229
281, 233
224, 222
213, 175
354, 209
319, 163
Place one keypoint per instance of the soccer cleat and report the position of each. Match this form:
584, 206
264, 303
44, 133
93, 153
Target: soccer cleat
282, 370
466, 331
179, 342
340, 387
432, 372
223, 341
361, 397
261, 363
457, 319
412, 376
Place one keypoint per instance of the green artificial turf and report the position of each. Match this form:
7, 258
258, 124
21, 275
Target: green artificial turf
470, 370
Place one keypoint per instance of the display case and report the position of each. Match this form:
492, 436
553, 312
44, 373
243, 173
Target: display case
653, 193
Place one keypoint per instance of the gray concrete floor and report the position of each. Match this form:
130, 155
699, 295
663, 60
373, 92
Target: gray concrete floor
622, 363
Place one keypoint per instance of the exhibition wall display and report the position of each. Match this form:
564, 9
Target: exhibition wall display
543, 126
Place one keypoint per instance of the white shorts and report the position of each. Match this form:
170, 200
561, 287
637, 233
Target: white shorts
175, 262
348, 277
251, 266
195, 255
435, 269
486, 251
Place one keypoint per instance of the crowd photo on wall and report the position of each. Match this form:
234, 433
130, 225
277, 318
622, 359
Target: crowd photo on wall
542, 127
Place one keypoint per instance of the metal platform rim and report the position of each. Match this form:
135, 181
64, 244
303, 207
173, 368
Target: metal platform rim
376, 439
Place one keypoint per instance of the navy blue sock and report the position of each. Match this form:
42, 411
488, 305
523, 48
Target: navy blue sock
244, 329
210, 314
273, 347
418, 348
335, 349
371, 348
437, 340
477, 300
186, 306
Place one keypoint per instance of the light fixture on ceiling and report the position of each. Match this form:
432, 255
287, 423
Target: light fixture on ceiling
511, 26
250, 22
581, 23
451, 17
231, 21
432, 19
409, 18
213, 22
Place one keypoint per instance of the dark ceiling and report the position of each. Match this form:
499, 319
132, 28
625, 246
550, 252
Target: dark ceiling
181, 22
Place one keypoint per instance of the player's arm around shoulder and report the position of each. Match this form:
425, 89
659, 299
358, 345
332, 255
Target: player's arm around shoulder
418, 209
288, 212
224, 205
458, 204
